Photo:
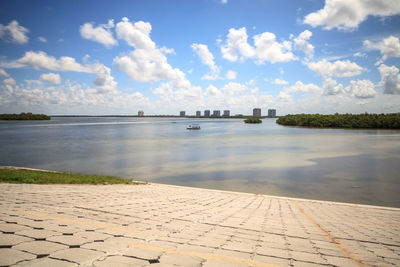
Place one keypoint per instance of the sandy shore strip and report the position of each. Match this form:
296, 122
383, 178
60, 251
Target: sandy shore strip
164, 225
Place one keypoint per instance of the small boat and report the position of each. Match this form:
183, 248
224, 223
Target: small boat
193, 127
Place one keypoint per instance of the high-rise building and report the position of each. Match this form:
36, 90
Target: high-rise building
257, 112
227, 113
140, 113
216, 113
182, 113
198, 113
207, 113
271, 113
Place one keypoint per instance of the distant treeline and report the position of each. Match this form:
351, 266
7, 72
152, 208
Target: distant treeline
23, 117
368, 121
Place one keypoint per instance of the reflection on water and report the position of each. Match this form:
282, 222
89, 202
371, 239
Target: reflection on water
330, 164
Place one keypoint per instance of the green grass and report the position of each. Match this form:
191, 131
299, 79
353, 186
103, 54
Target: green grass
43, 177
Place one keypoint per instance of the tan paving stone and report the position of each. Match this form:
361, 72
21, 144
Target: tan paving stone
8, 240
272, 260
202, 221
46, 262
307, 257
111, 245
223, 263
339, 261
40, 247
274, 252
12, 227
181, 260
77, 255
69, 240
10, 256
37, 234
120, 261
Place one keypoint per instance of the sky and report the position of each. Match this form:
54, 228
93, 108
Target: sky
118, 57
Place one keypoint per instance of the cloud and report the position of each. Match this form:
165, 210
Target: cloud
233, 88
236, 45
302, 43
231, 75
361, 89
331, 87
280, 81
389, 47
9, 81
14, 33
146, 63
3, 73
100, 34
339, 68
53, 78
104, 81
208, 59
266, 48
347, 15
300, 87
213, 91
224, 1
42, 39
360, 54
67, 98
390, 79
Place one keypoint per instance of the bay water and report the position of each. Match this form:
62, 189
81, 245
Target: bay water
357, 166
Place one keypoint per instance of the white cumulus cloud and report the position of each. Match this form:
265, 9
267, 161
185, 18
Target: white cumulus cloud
280, 81
104, 81
207, 58
266, 47
3, 73
302, 43
53, 78
300, 87
231, 75
339, 68
361, 89
236, 45
390, 79
331, 87
146, 63
13, 32
389, 47
347, 15
100, 34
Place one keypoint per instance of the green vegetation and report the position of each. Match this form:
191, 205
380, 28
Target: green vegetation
8, 175
23, 117
252, 120
366, 121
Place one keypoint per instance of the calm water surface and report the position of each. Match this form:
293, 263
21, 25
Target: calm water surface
359, 166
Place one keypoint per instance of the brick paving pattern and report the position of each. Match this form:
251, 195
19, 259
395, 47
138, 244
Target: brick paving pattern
163, 225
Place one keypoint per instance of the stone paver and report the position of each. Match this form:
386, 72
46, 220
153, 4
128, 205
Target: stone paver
12, 256
77, 255
120, 261
41, 248
162, 225
9, 240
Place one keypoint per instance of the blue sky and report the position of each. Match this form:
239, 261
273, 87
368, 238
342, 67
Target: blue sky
101, 57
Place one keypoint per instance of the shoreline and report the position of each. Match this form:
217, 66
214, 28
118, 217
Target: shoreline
223, 191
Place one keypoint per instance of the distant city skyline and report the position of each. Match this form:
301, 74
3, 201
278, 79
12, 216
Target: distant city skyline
101, 58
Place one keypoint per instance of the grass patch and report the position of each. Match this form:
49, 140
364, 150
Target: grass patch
42, 177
